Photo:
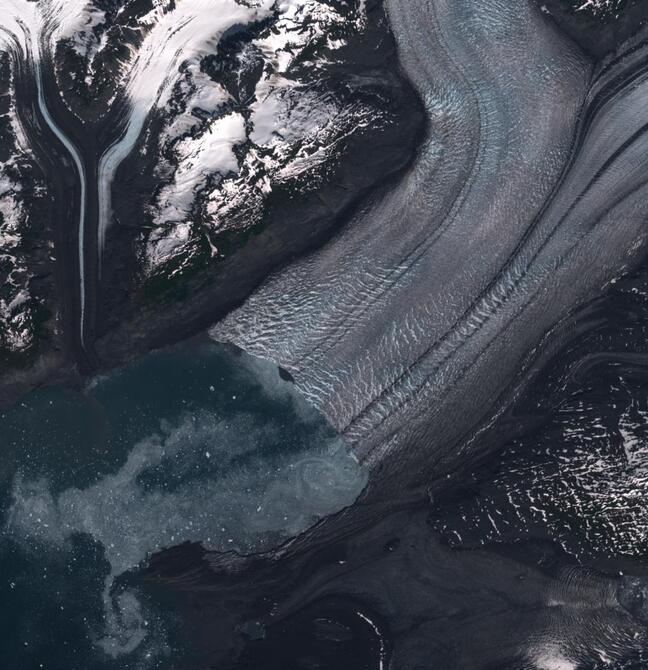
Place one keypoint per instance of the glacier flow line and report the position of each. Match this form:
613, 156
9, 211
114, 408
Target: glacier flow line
76, 157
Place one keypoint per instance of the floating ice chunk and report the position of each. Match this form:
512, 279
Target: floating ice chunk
222, 482
158, 497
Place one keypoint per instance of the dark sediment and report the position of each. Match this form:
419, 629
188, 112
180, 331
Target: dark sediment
387, 594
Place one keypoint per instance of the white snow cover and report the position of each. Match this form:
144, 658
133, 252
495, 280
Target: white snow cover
15, 316
278, 113
202, 155
291, 129
16, 332
52, 20
199, 158
198, 91
552, 657
28, 28
192, 29
18, 18
284, 115
75, 20
600, 6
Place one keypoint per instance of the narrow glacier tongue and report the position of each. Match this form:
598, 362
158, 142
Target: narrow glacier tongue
193, 445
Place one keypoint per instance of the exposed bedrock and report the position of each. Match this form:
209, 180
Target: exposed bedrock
415, 324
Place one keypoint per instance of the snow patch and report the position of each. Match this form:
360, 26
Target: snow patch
190, 30
199, 157
552, 658
292, 130
599, 6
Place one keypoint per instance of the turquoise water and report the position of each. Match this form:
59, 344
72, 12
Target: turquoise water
196, 442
